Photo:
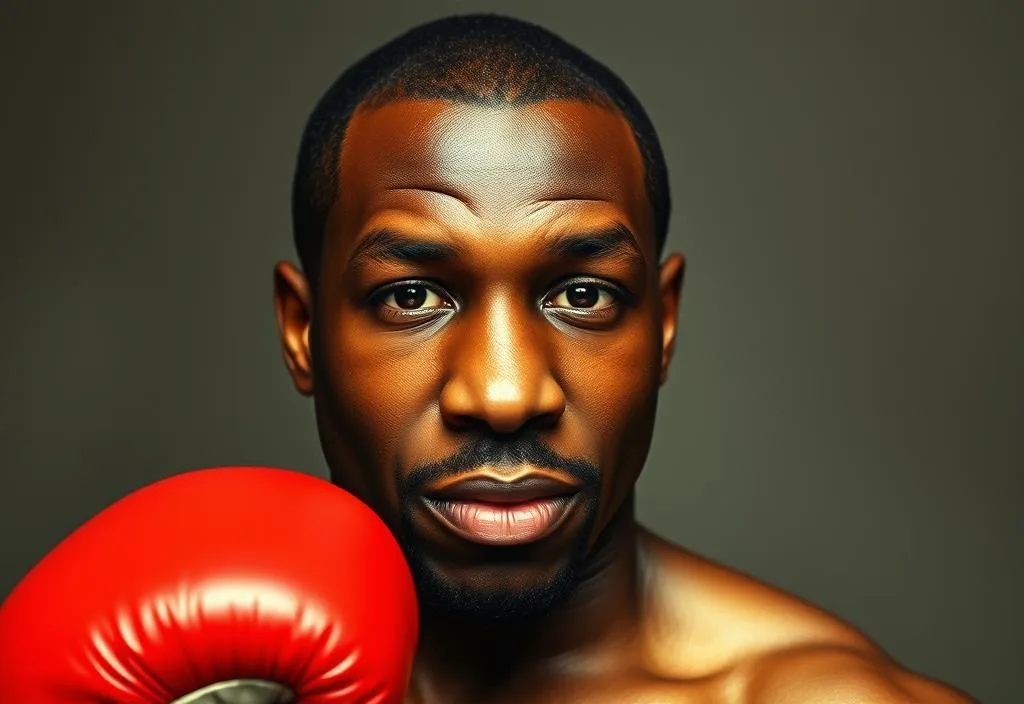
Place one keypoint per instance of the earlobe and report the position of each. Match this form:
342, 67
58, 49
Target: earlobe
670, 290
293, 306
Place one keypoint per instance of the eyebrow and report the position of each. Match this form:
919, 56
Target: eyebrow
388, 245
614, 241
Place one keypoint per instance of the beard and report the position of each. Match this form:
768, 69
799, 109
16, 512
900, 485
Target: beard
500, 583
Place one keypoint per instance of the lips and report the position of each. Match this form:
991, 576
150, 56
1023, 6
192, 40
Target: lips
491, 511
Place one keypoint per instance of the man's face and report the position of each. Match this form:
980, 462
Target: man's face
489, 334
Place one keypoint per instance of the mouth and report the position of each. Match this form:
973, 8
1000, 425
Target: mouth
489, 511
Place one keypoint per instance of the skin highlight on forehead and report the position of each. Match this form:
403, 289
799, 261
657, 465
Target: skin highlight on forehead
489, 172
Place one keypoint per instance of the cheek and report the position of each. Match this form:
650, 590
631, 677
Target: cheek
377, 395
610, 380
368, 404
613, 390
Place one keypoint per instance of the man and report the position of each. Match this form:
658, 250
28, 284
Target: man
484, 318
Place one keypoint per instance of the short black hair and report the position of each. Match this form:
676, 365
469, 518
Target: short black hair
481, 58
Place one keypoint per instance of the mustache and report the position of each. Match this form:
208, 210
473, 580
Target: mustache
493, 452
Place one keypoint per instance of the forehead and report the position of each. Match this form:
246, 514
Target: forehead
505, 168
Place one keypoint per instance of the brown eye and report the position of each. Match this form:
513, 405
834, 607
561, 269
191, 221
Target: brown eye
412, 297
584, 295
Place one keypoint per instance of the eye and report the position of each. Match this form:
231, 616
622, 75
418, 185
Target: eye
584, 296
412, 297
410, 304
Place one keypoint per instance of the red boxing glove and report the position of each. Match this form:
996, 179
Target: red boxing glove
251, 585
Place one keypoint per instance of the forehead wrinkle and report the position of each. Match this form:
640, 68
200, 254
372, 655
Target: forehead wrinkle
495, 184
542, 205
440, 188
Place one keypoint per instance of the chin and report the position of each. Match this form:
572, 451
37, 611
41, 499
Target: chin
495, 592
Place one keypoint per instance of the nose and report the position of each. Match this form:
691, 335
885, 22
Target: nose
500, 377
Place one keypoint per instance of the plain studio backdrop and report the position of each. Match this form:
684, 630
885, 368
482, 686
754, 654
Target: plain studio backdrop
844, 415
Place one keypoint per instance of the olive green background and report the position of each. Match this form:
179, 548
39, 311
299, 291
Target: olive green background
844, 414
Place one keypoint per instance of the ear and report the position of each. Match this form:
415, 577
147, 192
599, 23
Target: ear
294, 307
670, 289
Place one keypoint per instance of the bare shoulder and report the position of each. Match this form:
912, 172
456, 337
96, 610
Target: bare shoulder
825, 674
762, 645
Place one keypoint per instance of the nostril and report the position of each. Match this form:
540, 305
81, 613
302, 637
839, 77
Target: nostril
240, 692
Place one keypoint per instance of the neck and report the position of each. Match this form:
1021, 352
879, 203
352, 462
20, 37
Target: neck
463, 659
